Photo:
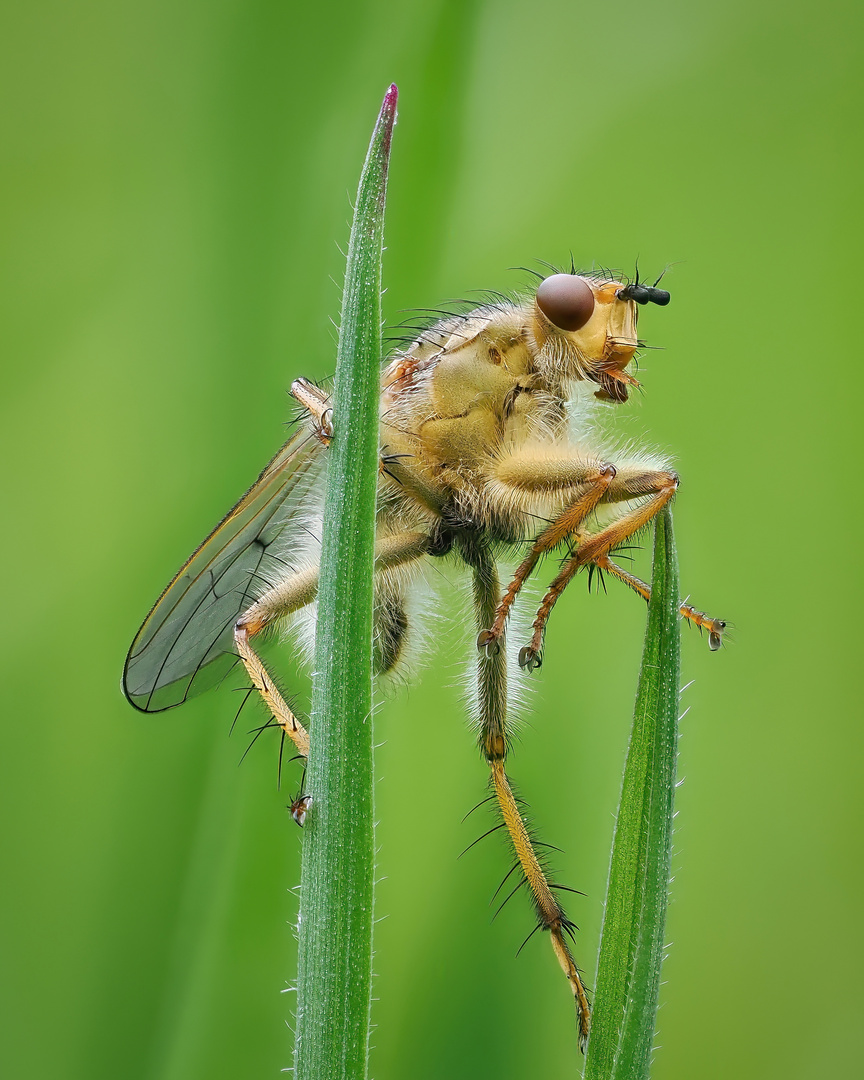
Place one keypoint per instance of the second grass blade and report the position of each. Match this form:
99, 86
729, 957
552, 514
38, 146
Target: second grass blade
631, 946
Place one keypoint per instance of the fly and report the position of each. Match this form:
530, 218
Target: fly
486, 428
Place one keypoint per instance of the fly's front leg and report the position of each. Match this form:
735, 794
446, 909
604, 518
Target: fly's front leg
715, 627
291, 595
630, 483
547, 473
494, 740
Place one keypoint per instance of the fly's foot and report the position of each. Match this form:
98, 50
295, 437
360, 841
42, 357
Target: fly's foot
715, 634
488, 642
299, 809
530, 659
715, 627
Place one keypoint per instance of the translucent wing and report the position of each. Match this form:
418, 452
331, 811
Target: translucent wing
186, 644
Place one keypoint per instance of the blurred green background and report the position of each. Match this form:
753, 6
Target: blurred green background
176, 180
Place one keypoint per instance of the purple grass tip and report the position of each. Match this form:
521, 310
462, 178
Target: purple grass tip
387, 116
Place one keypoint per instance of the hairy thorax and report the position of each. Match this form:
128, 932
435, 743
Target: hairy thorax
464, 393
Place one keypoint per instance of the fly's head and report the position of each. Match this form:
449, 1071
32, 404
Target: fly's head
585, 328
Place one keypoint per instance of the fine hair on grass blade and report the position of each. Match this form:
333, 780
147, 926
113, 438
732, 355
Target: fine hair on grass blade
631, 944
334, 982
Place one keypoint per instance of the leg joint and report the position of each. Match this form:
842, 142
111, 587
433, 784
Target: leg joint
494, 747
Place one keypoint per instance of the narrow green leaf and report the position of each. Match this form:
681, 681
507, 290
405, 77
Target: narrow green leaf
631, 945
336, 892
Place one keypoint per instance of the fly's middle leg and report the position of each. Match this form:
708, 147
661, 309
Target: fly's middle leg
550, 914
494, 743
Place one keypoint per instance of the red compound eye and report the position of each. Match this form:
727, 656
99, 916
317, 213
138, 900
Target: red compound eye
566, 300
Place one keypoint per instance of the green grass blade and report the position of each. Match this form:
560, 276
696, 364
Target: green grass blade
631, 945
335, 929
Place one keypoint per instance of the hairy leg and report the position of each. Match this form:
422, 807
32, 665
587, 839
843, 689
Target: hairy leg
660, 487
594, 482
317, 404
715, 627
494, 742
298, 590
586, 481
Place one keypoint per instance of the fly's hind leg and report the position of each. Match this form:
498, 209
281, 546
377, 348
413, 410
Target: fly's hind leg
267, 689
494, 742
317, 404
291, 595
715, 627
